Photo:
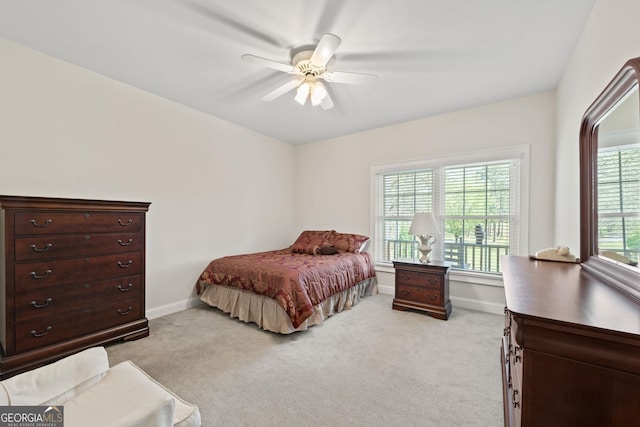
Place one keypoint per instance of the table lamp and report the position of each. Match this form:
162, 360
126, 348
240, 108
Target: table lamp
424, 228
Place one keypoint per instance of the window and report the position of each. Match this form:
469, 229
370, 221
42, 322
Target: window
476, 203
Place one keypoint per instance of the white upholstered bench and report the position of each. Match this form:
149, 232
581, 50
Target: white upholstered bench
93, 394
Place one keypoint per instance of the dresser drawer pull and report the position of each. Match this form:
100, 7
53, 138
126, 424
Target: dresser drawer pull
124, 313
125, 289
123, 223
35, 223
517, 349
45, 249
37, 335
35, 275
121, 243
405, 292
433, 281
121, 265
46, 303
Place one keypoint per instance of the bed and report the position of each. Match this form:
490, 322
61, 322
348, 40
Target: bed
287, 290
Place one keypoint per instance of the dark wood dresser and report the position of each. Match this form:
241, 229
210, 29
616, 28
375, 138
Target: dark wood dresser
423, 286
571, 348
72, 276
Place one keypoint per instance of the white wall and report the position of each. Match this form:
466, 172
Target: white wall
609, 39
216, 188
332, 177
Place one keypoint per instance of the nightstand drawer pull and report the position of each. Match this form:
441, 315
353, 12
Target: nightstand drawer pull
125, 224
122, 265
38, 335
45, 249
125, 289
36, 276
35, 223
124, 313
405, 292
121, 243
46, 303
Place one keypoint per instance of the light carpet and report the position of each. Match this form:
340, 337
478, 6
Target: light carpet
368, 366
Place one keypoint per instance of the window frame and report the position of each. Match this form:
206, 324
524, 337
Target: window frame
520, 152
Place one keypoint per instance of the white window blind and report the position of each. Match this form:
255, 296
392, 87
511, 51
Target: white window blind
399, 195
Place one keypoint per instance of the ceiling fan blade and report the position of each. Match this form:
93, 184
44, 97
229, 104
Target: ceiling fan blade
288, 86
327, 103
349, 78
280, 66
326, 48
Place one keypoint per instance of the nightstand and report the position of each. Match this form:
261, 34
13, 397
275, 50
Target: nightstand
423, 286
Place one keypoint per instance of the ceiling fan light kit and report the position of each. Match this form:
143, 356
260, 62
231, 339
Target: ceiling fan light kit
308, 66
313, 90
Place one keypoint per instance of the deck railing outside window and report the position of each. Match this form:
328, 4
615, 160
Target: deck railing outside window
464, 256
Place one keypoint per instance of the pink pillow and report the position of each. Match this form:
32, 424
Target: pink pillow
311, 241
348, 242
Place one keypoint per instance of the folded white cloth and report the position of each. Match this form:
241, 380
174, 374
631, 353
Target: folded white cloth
57, 382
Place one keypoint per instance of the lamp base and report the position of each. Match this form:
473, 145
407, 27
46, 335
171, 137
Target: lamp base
425, 248
425, 258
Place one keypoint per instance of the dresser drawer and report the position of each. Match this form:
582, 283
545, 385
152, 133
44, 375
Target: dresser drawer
39, 332
34, 248
33, 275
418, 294
43, 222
56, 300
416, 278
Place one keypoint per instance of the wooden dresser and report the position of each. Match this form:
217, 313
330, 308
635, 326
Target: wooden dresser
72, 276
423, 286
571, 348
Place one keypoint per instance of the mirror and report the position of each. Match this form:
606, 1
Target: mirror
610, 182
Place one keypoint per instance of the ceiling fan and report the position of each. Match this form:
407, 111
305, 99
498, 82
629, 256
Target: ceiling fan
309, 66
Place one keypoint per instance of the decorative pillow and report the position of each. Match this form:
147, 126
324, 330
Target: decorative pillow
311, 241
328, 250
348, 242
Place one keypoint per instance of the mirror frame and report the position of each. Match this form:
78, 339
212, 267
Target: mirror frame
617, 274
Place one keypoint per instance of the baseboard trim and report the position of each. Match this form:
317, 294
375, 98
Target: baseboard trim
477, 305
173, 307
471, 304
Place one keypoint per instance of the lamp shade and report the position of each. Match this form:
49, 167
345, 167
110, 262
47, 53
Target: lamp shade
424, 224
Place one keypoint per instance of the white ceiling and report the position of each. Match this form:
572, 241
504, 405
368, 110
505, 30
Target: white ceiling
432, 56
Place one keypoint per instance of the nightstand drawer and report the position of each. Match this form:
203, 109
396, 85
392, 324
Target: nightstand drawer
416, 278
418, 294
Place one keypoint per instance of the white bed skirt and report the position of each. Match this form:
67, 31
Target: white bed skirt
267, 314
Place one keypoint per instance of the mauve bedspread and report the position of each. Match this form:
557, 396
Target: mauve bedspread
296, 281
